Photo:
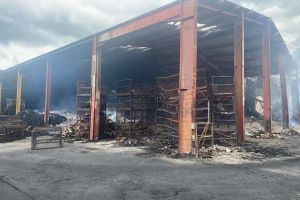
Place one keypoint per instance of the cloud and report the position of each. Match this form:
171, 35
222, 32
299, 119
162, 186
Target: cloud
35, 26
32, 27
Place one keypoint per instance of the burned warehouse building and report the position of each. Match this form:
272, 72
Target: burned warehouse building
190, 73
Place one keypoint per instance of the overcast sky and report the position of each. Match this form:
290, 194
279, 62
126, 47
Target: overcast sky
32, 27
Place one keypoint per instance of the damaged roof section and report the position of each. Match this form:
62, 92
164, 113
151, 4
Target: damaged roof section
215, 41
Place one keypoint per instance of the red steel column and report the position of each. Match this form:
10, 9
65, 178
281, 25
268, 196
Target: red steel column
187, 77
284, 99
47, 93
95, 93
266, 78
239, 44
98, 96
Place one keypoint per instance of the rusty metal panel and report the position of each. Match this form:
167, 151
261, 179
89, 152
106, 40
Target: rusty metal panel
187, 74
266, 78
239, 63
47, 93
284, 99
167, 13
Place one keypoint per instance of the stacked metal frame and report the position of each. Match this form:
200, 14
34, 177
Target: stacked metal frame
223, 109
204, 133
135, 109
83, 99
166, 116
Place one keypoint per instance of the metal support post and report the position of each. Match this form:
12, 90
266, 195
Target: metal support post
284, 99
239, 44
47, 93
19, 93
187, 74
266, 78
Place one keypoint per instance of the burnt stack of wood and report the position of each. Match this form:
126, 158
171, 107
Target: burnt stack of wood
11, 128
136, 104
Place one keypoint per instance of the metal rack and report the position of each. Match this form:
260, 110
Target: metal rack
135, 108
204, 129
223, 111
166, 115
83, 99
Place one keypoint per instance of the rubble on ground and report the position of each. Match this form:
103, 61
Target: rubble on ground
35, 119
32, 118
75, 132
248, 151
255, 129
156, 143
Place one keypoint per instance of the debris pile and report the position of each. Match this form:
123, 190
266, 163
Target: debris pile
75, 132
255, 129
157, 144
34, 119
264, 151
56, 119
286, 132
248, 151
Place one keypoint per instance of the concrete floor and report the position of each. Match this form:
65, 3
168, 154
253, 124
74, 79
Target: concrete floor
102, 171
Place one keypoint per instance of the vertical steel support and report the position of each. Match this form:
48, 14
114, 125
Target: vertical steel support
47, 93
98, 96
1, 86
239, 44
19, 93
295, 100
284, 99
187, 78
266, 52
96, 92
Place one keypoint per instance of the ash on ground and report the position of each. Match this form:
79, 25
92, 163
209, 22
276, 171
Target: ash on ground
156, 144
251, 150
255, 129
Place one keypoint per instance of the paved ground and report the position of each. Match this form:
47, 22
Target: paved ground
102, 171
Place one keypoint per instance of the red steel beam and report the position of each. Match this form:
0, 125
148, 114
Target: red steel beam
94, 75
284, 99
98, 96
167, 13
239, 63
47, 93
266, 78
187, 74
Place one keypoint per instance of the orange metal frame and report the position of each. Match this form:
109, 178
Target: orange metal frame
266, 78
239, 43
284, 99
187, 12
